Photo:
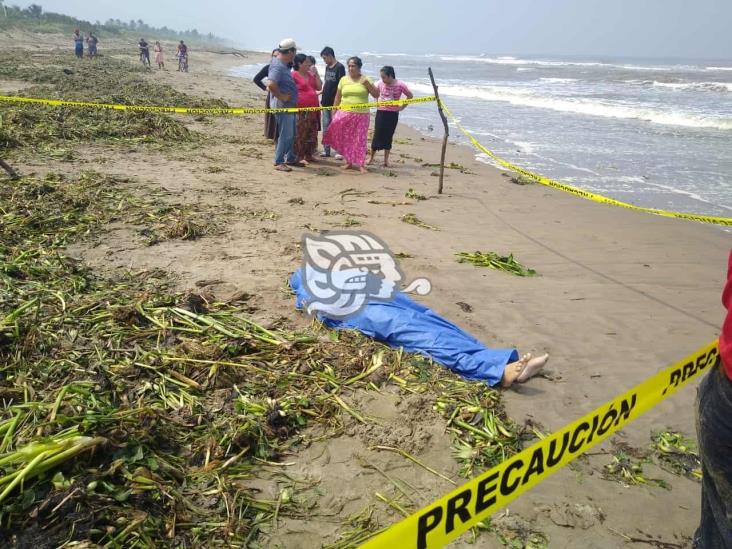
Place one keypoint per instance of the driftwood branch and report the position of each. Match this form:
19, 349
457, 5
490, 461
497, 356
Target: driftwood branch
8, 169
447, 131
239, 54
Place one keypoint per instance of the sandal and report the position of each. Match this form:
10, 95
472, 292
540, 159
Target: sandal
283, 168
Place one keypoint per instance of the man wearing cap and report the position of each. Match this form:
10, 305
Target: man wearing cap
284, 91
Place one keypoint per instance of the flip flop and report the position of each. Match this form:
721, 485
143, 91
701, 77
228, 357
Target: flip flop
282, 168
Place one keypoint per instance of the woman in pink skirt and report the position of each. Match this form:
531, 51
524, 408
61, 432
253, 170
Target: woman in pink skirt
349, 128
159, 59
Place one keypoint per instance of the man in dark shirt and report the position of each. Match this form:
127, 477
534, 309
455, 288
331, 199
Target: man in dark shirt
284, 91
144, 51
334, 71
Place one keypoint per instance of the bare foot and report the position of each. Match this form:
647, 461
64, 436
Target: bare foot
362, 169
386, 165
523, 369
512, 370
346, 166
371, 161
532, 368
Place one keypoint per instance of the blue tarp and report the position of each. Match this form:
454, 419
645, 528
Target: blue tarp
414, 327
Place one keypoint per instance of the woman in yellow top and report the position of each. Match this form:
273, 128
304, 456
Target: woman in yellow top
349, 128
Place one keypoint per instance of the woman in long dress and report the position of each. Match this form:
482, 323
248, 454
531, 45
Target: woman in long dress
348, 131
308, 86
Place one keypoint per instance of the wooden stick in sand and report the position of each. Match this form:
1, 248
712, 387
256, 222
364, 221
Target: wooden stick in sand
9, 169
447, 131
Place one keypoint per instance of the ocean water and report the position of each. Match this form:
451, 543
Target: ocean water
650, 132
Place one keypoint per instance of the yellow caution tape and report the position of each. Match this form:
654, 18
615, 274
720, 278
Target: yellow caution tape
580, 192
455, 513
214, 111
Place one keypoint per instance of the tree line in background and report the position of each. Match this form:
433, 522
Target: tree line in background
34, 18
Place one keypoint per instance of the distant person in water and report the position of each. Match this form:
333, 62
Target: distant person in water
91, 45
159, 58
387, 118
270, 122
78, 44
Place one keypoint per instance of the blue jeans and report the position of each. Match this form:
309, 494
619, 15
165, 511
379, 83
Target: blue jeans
327, 117
714, 430
285, 150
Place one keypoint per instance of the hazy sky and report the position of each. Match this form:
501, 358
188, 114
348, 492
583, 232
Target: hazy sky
638, 28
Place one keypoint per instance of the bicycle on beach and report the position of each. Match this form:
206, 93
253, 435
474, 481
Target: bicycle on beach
145, 59
183, 63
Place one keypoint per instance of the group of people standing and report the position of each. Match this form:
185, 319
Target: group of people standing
144, 48
293, 81
181, 54
91, 44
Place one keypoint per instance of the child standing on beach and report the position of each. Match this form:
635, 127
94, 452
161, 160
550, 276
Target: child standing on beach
387, 118
159, 59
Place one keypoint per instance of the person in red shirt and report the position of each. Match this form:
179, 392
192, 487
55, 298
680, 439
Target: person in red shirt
308, 86
714, 431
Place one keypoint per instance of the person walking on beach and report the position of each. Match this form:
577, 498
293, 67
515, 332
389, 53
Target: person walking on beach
308, 86
348, 131
714, 431
91, 45
159, 58
78, 44
144, 52
334, 71
387, 118
282, 87
270, 124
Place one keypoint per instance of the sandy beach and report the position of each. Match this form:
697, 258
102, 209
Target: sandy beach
619, 295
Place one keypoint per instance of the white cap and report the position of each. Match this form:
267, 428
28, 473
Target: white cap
287, 44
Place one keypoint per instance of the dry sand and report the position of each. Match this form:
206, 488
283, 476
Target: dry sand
619, 295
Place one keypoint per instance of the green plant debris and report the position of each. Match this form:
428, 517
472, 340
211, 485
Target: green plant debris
677, 454
55, 76
387, 203
214, 169
130, 414
628, 471
350, 222
412, 219
343, 212
514, 532
450, 166
495, 261
482, 436
414, 195
520, 179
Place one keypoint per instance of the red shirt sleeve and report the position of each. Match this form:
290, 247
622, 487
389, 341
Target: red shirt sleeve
725, 338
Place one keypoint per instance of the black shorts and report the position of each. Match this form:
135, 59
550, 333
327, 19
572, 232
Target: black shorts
384, 127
